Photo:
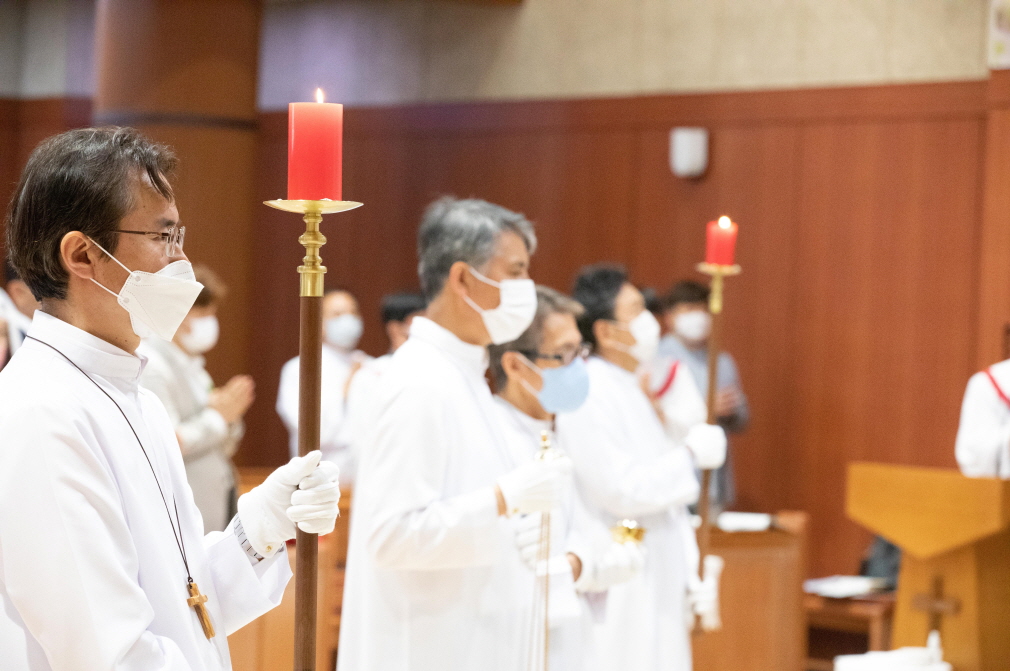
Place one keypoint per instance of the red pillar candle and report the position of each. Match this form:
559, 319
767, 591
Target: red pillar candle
315, 139
721, 242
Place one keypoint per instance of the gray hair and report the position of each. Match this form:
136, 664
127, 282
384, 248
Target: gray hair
463, 230
549, 302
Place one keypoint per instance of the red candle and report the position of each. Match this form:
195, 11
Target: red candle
721, 242
315, 138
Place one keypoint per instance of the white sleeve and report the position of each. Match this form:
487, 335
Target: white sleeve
983, 435
70, 567
198, 434
245, 591
410, 523
614, 481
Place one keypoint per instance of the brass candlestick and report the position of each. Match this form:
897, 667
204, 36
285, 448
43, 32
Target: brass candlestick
310, 344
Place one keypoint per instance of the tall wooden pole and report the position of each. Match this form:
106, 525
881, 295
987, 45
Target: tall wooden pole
310, 352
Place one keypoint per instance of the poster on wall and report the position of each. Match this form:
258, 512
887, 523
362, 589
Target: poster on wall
999, 35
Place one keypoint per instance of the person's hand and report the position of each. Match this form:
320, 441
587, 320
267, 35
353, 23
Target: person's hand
728, 401
234, 398
620, 563
536, 486
303, 492
528, 529
703, 595
707, 443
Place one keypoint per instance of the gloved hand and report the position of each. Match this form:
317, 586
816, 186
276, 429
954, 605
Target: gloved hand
703, 595
620, 563
527, 530
536, 486
303, 491
707, 443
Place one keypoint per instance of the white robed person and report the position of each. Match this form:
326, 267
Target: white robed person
434, 576
627, 467
538, 376
104, 562
982, 447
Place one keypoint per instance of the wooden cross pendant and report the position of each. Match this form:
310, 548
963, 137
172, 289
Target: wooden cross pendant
197, 601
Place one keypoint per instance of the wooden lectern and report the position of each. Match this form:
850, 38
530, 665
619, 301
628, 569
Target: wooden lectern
954, 533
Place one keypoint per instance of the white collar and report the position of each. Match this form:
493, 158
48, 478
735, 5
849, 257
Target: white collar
92, 354
473, 358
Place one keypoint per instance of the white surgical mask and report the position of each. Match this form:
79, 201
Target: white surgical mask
157, 302
344, 331
693, 326
515, 311
202, 336
645, 330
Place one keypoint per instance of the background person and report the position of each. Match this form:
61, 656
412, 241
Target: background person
207, 420
434, 578
538, 375
342, 329
627, 467
689, 324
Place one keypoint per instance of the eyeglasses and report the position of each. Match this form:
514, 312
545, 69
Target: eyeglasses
173, 238
564, 358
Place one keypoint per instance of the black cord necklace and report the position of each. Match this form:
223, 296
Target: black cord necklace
196, 600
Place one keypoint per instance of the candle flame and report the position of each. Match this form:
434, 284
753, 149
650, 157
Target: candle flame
319, 95
724, 222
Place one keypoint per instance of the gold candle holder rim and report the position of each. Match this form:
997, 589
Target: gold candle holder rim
325, 206
718, 269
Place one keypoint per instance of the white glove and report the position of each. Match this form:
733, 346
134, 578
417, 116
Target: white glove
303, 491
536, 486
620, 563
703, 595
527, 530
708, 444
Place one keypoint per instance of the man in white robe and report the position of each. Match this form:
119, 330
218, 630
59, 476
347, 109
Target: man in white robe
342, 328
540, 374
983, 436
101, 544
434, 578
627, 467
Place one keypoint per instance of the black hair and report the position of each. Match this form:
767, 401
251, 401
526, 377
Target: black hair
596, 288
397, 307
685, 291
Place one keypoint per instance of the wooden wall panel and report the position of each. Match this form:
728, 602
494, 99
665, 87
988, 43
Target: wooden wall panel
854, 322
883, 327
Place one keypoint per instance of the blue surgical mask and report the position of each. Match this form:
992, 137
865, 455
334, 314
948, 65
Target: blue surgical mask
565, 388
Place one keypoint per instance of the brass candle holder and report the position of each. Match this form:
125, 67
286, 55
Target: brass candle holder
312, 273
